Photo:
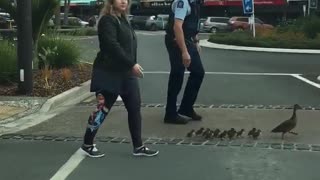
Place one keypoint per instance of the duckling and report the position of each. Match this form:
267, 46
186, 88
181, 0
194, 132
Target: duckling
209, 135
206, 132
256, 134
216, 133
239, 134
223, 134
200, 131
289, 124
191, 133
231, 133
252, 131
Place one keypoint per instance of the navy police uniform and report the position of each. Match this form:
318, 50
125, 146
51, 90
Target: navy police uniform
189, 12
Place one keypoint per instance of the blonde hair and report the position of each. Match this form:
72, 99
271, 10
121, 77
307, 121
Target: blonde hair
109, 10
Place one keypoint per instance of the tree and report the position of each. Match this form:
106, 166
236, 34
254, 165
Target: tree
66, 11
42, 11
57, 21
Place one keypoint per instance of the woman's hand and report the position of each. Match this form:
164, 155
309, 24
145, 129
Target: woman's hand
137, 70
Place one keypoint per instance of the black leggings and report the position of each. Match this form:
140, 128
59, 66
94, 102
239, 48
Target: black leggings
131, 97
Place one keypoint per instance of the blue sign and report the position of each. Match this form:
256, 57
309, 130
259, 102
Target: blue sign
247, 6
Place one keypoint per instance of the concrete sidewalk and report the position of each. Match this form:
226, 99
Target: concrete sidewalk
73, 122
16, 107
8, 111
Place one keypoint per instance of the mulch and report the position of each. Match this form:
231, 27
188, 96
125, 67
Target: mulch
59, 80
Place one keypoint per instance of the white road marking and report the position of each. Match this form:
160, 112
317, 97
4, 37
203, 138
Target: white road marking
307, 81
69, 166
206, 43
228, 73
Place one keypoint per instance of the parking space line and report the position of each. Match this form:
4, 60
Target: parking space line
306, 80
69, 166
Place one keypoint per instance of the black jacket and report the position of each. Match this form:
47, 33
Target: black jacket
117, 55
118, 45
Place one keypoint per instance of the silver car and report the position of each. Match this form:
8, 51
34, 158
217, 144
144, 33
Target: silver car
216, 24
158, 22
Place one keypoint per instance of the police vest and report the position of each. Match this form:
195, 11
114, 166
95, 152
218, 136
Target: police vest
190, 24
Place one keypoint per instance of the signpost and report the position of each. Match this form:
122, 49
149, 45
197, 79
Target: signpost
312, 4
248, 8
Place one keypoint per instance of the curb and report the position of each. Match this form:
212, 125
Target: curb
70, 97
67, 98
206, 43
48, 109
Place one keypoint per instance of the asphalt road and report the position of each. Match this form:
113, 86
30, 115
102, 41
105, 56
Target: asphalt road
38, 160
232, 77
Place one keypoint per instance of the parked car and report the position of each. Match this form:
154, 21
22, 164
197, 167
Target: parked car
202, 20
216, 24
4, 23
158, 22
139, 22
129, 17
76, 22
242, 23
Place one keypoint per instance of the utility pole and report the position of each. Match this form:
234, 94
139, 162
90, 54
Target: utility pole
25, 44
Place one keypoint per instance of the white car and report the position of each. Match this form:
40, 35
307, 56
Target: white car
75, 21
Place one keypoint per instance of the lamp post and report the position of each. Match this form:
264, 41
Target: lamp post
24, 21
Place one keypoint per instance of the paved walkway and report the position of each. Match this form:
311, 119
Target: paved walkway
73, 122
8, 111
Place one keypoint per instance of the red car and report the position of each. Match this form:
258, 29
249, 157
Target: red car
242, 23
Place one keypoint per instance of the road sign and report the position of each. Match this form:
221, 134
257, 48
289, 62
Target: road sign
314, 4
247, 6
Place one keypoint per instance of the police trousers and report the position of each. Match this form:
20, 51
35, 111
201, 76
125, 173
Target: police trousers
177, 75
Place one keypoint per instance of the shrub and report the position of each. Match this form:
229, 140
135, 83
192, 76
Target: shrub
8, 62
85, 32
267, 39
63, 53
309, 26
312, 27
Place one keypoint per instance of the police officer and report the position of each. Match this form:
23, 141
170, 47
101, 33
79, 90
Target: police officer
182, 44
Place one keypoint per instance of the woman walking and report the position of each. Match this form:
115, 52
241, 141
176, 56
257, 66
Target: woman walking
116, 72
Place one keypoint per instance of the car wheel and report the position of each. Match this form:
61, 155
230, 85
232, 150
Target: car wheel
134, 26
239, 29
153, 27
213, 30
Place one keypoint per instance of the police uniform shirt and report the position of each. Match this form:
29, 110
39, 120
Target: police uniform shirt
181, 9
